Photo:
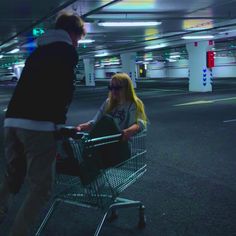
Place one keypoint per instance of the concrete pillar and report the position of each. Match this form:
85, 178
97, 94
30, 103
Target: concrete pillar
200, 77
128, 61
89, 71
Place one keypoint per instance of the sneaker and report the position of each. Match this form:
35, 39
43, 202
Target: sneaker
3, 213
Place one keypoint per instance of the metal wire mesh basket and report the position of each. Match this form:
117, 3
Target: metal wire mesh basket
106, 185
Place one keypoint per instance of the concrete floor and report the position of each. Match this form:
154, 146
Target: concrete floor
190, 186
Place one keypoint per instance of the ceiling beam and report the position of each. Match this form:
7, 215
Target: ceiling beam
96, 10
52, 13
157, 15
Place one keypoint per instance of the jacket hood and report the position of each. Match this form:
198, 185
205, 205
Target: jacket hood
52, 36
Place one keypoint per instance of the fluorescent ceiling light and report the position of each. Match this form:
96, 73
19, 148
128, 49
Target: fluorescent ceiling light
171, 60
198, 37
1, 56
174, 56
14, 50
101, 54
129, 23
155, 46
86, 41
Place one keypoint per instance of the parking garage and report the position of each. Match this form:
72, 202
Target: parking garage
188, 87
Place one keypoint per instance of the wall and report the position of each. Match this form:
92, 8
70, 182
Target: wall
100, 73
156, 70
225, 67
178, 69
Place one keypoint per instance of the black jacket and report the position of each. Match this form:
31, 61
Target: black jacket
45, 89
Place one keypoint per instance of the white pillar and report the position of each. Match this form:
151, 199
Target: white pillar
17, 70
89, 71
128, 61
200, 77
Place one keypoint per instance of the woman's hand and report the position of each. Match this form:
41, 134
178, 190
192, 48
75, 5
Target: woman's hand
129, 132
84, 127
126, 134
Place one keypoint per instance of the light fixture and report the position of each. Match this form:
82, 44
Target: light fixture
174, 56
171, 60
1, 56
101, 54
14, 50
198, 37
148, 59
86, 41
162, 45
129, 23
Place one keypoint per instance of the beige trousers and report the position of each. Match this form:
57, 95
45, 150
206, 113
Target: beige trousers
29, 154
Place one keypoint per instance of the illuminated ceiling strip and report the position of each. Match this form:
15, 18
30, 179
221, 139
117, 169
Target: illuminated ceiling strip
155, 46
198, 37
101, 55
127, 23
14, 50
86, 41
174, 56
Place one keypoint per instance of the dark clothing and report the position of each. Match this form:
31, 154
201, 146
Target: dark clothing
48, 70
40, 101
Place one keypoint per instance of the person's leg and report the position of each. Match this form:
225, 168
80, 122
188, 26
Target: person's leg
40, 150
15, 170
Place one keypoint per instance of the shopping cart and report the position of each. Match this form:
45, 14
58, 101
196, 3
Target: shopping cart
102, 189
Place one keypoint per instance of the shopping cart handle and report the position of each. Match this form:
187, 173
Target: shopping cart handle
71, 131
103, 140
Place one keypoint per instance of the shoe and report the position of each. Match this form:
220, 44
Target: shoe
3, 213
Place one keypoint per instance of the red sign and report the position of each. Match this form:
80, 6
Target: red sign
211, 42
210, 59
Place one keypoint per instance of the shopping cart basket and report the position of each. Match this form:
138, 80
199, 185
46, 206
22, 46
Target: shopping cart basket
103, 189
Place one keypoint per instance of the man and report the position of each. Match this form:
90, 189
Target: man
39, 103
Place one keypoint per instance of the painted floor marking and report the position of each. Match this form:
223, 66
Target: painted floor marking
205, 101
228, 121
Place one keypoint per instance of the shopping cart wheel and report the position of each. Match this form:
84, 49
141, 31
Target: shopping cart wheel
113, 216
142, 217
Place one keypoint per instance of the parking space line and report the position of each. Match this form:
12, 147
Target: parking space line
228, 121
205, 101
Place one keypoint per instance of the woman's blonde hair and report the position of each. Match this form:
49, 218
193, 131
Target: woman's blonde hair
124, 80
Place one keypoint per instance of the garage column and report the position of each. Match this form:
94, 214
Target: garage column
200, 76
128, 61
89, 71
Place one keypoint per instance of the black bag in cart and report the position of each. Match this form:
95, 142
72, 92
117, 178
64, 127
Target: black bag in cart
110, 154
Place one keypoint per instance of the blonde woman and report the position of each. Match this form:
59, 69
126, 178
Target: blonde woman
123, 105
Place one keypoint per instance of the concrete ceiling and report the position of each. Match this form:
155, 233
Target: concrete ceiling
177, 18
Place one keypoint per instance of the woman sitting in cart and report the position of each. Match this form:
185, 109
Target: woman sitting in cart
123, 106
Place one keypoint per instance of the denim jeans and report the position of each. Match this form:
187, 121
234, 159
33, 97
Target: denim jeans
31, 155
